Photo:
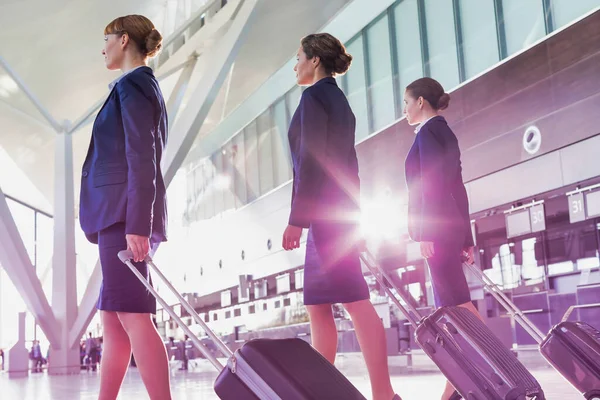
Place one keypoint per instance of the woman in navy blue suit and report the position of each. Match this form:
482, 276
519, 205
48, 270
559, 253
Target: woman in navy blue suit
123, 205
325, 200
438, 206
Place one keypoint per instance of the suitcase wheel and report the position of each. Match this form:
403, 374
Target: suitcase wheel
540, 396
451, 328
593, 395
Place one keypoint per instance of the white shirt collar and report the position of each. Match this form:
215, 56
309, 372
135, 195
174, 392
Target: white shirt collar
418, 128
113, 83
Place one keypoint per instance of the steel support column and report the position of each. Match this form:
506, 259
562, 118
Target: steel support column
65, 356
87, 307
174, 102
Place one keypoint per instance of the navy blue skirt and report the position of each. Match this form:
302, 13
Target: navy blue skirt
450, 287
332, 269
121, 290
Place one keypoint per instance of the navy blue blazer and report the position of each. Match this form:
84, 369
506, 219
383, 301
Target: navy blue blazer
121, 180
321, 136
438, 207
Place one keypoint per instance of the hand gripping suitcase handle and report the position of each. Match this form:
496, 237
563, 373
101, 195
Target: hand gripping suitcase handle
507, 303
126, 256
410, 312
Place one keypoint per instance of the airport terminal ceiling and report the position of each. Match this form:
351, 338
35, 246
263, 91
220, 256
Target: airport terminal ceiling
55, 48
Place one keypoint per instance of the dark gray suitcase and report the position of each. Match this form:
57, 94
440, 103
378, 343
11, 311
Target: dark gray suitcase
572, 348
262, 369
467, 352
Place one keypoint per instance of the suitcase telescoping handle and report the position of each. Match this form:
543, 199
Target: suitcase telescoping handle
565, 318
126, 256
409, 311
507, 303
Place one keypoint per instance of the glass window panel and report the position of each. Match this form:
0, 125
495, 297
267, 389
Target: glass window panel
530, 271
381, 88
228, 179
217, 184
408, 44
560, 268
23, 217
190, 191
281, 148
44, 252
209, 197
252, 177
200, 188
479, 35
566, 11
265, 152
356, 83
441, 42
239, 157
523, 23
588, 263
339, 79
292, 99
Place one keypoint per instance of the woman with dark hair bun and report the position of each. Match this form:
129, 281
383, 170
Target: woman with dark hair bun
325, 200
438, 207
123, 205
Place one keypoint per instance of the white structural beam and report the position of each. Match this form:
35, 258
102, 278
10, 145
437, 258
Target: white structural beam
57, 127
18, 356
166, 74
86, 118
221, 55
174, 102
87, 308
65, 360
17, 264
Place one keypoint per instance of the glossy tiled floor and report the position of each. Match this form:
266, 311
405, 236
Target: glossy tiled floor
422, 382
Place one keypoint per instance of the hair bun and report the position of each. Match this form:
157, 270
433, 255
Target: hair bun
443, 102
342, 63
153, 43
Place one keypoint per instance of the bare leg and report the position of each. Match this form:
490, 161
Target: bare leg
115, 356
323, 331
150, 354
449, 389
373, 344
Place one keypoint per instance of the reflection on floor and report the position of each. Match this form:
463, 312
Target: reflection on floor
422, 382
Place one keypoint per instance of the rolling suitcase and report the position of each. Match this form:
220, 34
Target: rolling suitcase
262, 369
477, 364
572, 348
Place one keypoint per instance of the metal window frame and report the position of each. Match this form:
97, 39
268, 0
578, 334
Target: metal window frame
263, 187
548, 16
458, 33
365, 46
500, 29
395, 58
366, 74
274, 157
394, 67
424, 38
